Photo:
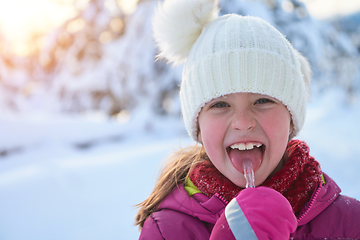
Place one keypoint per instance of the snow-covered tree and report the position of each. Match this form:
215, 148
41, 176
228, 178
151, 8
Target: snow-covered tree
350, 27
76, 62
105, 60
88, 73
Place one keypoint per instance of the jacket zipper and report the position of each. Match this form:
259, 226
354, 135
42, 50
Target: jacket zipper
221, 198
311, 202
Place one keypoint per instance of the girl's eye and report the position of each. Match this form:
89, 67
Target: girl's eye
220, 105
263, 100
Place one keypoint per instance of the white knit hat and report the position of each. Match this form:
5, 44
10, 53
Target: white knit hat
229, 54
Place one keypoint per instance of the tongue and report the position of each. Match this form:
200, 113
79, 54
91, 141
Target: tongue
238, 158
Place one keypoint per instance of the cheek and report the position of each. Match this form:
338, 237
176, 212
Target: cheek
211, 132
277, 124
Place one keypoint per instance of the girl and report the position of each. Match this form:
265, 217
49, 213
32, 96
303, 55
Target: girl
243, 98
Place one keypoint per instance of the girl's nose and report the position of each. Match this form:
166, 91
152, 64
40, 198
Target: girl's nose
243, 121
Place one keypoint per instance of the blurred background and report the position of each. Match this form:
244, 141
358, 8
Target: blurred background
87, 116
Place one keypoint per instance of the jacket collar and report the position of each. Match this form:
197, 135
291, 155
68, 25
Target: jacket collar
207, 209
322, 197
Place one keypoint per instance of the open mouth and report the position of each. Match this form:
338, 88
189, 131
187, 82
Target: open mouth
239, 153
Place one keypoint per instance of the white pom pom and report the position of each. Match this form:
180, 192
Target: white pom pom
178, 23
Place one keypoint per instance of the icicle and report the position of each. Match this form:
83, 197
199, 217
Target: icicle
249, 174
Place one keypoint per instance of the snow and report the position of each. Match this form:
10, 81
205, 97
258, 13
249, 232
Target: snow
80, 177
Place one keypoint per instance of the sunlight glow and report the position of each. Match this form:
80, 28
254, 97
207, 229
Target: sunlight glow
128, 6
22, 19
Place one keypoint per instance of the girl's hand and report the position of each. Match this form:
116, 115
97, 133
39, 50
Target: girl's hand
256, 213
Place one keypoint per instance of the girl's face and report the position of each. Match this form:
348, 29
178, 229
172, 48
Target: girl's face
245, 128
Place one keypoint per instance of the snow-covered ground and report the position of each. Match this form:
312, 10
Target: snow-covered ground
77, 178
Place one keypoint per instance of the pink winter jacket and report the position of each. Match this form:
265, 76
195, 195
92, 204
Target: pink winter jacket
328, 215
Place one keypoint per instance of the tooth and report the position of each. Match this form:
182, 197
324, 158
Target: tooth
245, 146
242, 146
234, 146
249, 146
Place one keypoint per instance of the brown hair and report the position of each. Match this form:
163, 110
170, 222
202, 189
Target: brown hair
175, 172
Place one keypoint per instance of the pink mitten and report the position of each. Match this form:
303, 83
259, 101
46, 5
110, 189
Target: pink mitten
256, 213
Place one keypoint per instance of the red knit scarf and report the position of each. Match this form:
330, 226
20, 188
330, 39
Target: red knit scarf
297, 179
